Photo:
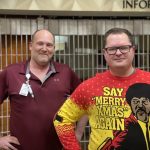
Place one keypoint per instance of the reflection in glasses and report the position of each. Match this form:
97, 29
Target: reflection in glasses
123, 49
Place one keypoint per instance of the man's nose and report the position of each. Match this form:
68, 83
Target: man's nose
118, 52
44, 47
140, 104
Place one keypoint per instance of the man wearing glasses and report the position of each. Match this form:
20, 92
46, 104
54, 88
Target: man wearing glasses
136, 133
138, 97
102, 97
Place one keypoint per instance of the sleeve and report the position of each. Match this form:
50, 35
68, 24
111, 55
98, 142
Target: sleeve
3, 86
65, 120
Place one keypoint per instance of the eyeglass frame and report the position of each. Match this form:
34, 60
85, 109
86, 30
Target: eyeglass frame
118, 48
136, 100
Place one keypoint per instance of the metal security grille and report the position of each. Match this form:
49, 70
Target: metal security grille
78, 43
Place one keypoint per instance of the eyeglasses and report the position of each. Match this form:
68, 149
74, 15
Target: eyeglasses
142, 100
123, 49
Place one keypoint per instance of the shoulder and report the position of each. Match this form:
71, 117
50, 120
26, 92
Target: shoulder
90, 81
60, 66
143, 72
63, 69
18, 67
67, 74
98, 78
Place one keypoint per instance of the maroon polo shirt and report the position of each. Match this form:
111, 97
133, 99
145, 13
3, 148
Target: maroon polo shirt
31, 119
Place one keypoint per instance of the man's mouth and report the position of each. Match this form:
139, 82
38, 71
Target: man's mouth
119, 59
140, 112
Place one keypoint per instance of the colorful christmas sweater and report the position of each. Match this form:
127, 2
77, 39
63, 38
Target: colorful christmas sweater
102, 98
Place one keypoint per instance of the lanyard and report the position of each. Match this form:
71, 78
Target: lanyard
28, 75
28, 80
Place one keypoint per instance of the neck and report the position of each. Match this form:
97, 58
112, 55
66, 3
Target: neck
122, 72
34, 65
38, 70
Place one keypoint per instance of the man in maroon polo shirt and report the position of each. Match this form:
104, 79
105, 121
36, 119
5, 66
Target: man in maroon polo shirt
36, 89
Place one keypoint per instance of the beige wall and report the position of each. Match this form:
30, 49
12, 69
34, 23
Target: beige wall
75, 7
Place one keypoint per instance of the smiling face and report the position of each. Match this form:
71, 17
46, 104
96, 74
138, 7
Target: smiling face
119, 60
141, 108
42, 47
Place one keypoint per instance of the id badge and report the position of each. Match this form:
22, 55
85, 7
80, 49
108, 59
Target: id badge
24, 90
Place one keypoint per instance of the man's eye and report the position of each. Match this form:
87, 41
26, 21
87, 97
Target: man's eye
40, 43
50, 45
145, 101
112, 49
123, 48
135, 101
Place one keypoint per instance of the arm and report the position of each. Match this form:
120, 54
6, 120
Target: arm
6, 142
64, 123
3, 86
81, 126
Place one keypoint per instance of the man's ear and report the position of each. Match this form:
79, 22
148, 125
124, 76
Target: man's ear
30, 46
104, 51
104, 54
134, 47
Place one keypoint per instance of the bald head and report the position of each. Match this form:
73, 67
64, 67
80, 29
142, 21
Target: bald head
42, 48
41, 31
